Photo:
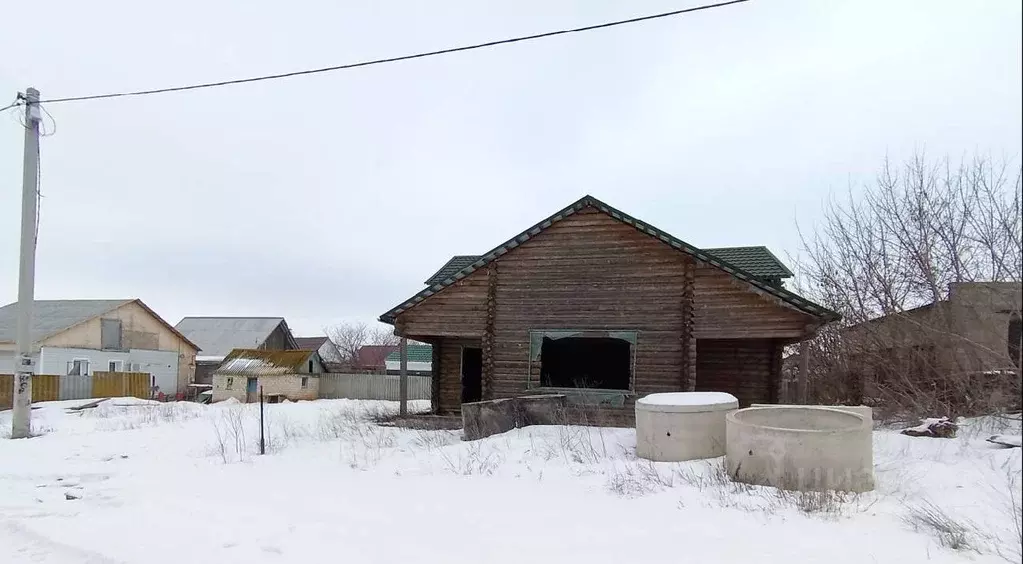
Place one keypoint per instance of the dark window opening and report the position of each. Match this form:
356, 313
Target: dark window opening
603, 363
1015, 334
472, 375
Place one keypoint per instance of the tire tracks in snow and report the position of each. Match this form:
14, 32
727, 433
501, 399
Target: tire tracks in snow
27, 546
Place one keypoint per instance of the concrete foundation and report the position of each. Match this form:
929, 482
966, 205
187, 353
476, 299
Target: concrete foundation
484, 418
681, 426
800, 448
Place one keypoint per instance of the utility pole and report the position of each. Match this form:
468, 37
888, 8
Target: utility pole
403, 378
21, 422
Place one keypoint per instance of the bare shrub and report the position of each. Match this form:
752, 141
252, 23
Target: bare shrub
430, 440
632, 480
127, 417
822, 503
229, 433
1009, 499
478, 458
888, 260
957, 534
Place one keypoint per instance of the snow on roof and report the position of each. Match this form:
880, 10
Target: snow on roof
218, 336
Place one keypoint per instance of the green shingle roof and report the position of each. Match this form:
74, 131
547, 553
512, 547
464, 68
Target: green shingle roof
416, 353
758, 261
450, 268
764, 284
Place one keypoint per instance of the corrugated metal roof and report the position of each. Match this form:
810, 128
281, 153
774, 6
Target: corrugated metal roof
758, 261
251, 362
218, 336
416, 353
53, 316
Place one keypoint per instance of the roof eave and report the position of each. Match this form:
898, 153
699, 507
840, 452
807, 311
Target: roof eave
791, 298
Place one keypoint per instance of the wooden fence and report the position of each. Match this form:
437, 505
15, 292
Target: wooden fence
120, 384
47, 387
372, 387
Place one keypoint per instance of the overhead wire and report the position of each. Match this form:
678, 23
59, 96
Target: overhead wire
17, 102
393, 59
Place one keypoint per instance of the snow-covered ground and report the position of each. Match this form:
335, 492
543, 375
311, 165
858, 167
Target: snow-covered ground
132, 482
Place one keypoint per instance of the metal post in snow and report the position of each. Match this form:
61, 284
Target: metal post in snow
403, 378
262, 441
21, 420
802, 377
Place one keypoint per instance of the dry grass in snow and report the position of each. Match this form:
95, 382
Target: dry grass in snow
140, 482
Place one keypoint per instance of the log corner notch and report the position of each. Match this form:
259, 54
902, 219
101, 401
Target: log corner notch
688, 376
488, 333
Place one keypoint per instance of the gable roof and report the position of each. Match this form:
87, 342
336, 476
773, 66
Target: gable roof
758, 261
786, 296
416, 353
217, 336
254, 362
450, 268
310, 343
373, 356
50, 317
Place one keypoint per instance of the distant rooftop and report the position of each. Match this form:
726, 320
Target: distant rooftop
218, 336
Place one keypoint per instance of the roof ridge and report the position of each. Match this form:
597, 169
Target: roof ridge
232, 317
785, 295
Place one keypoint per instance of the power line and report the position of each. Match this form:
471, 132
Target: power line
14, 104
394, 59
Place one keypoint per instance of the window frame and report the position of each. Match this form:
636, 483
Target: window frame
119, 363
230, 383
533, 382
304, 383
84, 363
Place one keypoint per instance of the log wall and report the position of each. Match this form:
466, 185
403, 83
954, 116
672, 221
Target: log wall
590, 271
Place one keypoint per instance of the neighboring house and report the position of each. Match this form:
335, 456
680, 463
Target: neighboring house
79, 337
292, 374
976, 330
420, 361
218, 336
329, 352
605, 308
372, 359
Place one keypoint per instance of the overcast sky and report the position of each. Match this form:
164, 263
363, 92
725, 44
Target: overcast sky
334, 196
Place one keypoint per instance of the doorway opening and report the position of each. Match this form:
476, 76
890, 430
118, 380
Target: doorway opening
472, 374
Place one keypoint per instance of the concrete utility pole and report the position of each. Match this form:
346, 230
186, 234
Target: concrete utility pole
21, 422
403, 378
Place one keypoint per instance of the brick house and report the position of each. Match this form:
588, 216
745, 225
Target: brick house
975, 332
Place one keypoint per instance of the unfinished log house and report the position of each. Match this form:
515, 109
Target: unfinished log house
605, 308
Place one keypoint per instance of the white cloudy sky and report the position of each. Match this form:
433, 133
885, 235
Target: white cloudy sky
334, 196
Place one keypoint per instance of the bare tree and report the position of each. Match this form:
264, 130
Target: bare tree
349, 337
383, 336
895, 251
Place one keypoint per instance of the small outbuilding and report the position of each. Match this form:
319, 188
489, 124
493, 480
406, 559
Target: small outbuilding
293, 375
